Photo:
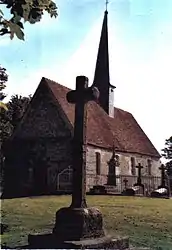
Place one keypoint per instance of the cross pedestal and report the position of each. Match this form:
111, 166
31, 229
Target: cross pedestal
78, 226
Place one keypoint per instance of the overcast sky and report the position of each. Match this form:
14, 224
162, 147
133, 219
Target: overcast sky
140, 48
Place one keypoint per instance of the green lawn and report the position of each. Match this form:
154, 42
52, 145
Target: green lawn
148, 222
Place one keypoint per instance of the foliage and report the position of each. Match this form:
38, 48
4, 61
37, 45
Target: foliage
24, 11
3, 80
167, 153
147, 222
9, 119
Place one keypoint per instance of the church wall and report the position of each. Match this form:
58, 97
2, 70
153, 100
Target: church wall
123, 169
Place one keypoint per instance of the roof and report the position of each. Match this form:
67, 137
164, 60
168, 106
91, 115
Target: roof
103, 131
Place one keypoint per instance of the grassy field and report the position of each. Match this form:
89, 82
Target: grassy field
148, 222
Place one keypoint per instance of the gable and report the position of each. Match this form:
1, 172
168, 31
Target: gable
43, 118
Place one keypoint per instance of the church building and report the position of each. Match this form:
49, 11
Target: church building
40, 150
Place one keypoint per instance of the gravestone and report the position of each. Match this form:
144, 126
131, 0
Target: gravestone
162, 191
163, 179
125, 183
111, 186
78, 226
112, 163
138, 187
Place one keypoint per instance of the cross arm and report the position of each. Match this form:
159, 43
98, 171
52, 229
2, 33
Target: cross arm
85, 95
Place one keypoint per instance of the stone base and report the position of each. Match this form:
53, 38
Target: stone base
77, 228
78, 223
50, 242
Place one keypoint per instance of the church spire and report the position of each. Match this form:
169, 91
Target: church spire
101, 77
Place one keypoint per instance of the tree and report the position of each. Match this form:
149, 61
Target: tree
3, 80
167, 153
9, 119
24, 11
16, 109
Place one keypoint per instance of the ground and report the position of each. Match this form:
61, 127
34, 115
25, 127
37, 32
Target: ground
148, 222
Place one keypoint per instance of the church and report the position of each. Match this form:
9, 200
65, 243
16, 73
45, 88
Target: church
40, 149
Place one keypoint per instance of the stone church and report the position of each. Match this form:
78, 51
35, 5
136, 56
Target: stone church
39, 151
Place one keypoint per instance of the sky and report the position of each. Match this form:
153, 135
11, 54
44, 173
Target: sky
140, 51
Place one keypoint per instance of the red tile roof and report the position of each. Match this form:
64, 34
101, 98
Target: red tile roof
102, 130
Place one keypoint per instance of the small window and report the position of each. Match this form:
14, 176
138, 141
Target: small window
133, 166
149, 162
98, 163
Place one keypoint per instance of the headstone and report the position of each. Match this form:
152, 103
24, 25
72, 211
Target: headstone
160, 193
138, 187
112, 163
139, 180
98, 189
163, 179
78, 226
163, 190
125, 183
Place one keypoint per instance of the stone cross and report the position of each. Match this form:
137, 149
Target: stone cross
125, 183
139, 181
80, 97
113, 163
162, 168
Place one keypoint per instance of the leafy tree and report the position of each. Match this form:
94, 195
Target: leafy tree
16, 108
3, 80
167, 153
9, 119
24, 11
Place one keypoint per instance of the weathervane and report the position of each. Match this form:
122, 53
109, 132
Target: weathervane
107, 4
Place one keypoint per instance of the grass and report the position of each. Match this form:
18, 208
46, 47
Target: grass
148, 222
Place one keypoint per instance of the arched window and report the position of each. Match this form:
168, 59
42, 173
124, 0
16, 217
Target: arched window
149, 167
133, 166
98, 163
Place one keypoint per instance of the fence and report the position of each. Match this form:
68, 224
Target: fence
150, 182
64, 181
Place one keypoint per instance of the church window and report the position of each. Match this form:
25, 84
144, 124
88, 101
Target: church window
149, 167
133, 166
98, 163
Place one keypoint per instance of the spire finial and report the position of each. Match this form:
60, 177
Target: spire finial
107, 4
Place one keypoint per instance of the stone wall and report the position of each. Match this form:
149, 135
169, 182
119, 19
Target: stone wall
39, 144
124, 168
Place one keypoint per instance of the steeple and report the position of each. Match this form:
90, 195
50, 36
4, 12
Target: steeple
101, 77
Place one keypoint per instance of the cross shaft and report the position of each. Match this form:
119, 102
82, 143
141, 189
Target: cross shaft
80, 97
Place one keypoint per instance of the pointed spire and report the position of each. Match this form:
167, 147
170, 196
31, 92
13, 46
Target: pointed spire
101, 77
102, 64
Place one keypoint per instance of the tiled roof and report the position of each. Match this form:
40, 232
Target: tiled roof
102, 130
